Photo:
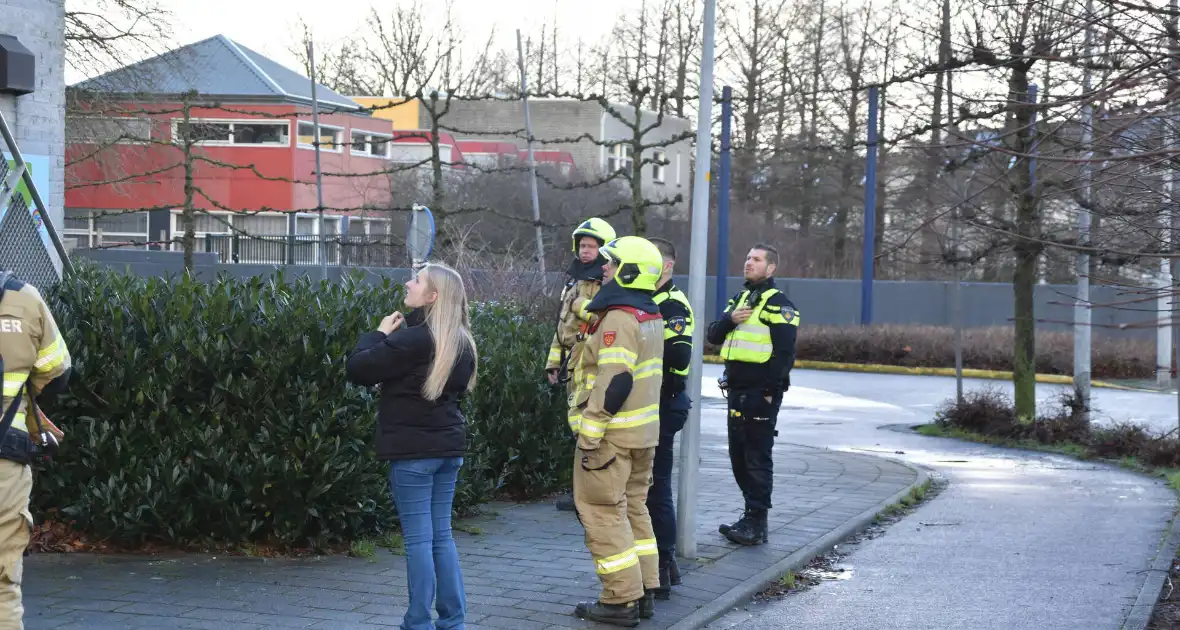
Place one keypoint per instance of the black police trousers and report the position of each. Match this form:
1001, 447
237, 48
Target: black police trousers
751, 428
673, 414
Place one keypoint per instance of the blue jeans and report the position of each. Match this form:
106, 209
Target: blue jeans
424, 490
673, 414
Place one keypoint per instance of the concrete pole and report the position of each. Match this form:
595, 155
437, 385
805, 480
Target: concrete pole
1081, 309
690, 437
528, 129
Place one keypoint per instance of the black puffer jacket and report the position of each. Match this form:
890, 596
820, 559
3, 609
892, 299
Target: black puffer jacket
408, 425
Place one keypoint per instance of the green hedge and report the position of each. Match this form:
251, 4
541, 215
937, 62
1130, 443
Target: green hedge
218, 413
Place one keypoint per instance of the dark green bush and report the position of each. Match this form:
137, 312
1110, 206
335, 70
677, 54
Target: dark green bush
218, 413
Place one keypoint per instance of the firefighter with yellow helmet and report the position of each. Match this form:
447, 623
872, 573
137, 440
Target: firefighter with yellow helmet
583, 279
34, 360
615, 411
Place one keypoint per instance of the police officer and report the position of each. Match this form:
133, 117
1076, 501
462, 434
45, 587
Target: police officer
674, 406
35, 361
583, 279
615, 408
757, 338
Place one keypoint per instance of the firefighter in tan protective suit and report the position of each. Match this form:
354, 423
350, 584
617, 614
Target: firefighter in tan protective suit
583, 279
615, 412
35, 361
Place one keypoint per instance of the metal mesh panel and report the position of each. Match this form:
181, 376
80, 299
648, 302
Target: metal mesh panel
21, 248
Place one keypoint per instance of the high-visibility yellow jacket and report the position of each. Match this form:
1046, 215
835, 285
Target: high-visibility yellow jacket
33, 350
760, 352
678, 329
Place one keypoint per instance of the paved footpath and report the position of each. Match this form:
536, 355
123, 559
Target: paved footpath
526, 567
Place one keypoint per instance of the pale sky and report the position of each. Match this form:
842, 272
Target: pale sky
268, 26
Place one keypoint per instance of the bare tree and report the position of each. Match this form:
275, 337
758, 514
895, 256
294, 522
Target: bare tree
101, 34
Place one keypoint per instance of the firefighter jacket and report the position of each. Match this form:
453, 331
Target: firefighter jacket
32, 349
574, 319
616, 385
760, 352
678, 327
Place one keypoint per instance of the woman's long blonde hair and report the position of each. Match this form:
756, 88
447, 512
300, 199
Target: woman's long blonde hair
449, 326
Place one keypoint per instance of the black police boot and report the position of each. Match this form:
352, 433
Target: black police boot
723, 529
665, 589
625, 615
673, 568
565, 503
752, 531
647, 605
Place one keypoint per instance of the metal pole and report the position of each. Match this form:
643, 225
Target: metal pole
866, 274
319, 178
720, 289
1081, 309
690, 438
528, 128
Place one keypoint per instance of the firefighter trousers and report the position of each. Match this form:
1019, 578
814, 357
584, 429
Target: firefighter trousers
610, 493
16, 523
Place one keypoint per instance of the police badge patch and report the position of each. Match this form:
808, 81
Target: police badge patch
677, 325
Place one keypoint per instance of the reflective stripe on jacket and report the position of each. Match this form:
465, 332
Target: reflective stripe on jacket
32, 348
750, 341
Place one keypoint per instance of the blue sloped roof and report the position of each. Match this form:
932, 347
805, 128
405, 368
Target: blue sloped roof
217, 66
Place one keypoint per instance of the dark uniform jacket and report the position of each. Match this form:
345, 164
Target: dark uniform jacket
677, 338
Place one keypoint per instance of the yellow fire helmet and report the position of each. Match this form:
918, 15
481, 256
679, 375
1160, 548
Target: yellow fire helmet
595, 227
639, 262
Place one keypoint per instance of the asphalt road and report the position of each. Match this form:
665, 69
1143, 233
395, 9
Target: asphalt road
1017, 540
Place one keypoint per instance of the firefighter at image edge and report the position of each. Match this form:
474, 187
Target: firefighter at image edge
615, 411
757, 338
583, 279
35, 361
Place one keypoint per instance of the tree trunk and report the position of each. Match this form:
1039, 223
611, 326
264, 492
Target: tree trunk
847, 174
638, 203
189, 214
437, 187
1027, 251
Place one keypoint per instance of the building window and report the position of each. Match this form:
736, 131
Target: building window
108, 130
677, 169
370, 144
659, 162
331, 138
254, 133
619, 158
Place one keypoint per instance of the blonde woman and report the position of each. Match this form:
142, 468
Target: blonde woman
425, 362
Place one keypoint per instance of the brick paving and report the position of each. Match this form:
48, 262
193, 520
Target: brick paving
525, 565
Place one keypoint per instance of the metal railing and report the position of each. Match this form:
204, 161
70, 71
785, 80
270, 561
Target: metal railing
302, 249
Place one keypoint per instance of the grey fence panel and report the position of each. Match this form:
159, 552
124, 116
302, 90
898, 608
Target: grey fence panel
821, 302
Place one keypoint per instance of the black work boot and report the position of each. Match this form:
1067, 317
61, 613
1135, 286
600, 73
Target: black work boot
647, 605
565, 503
723, 529
665, 589
751, 531
673, 568
625, 615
